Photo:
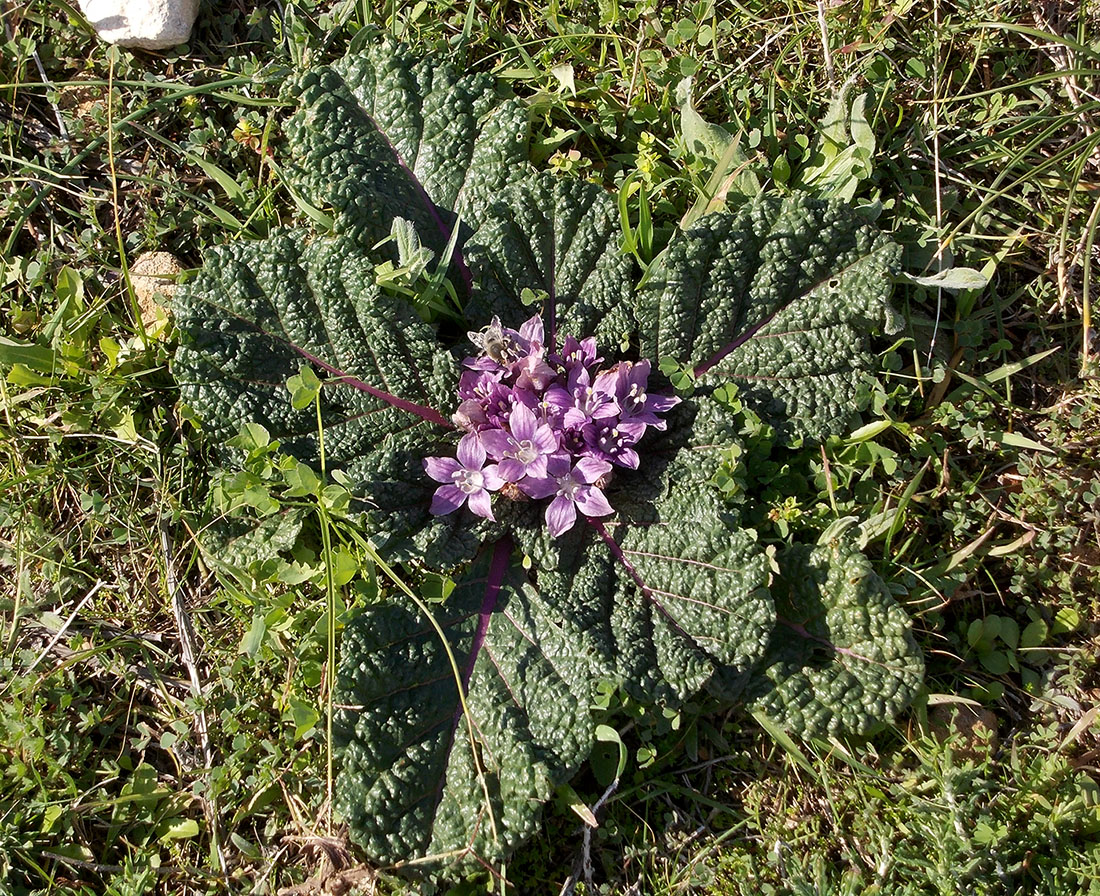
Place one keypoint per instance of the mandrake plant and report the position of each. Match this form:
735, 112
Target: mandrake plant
549, 467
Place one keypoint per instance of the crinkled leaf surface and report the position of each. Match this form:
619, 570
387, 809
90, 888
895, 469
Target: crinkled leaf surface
420, 779
561, 238
666, 598
842, 659
260, 310
782, 298
385, 134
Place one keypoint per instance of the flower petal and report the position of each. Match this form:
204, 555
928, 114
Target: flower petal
441, 469
575, 418
560, 515
511, 469
523, 422
493, 477
532, 331
627, 457
537, 467
558, 465
471, 453
538, 487
589, 469
497, 442
558, 397
592, 502
545, 440
447, 499
481, 505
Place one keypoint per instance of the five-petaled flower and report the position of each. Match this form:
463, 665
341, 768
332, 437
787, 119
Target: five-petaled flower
466, 480
523, 451
573, 488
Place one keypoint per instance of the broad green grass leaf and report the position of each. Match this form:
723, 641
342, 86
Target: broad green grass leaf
36, 357
728, 173
952, 279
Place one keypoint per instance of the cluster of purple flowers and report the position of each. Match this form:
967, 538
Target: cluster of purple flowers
553, 423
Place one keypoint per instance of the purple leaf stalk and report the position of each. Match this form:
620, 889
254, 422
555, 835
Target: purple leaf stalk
554, 425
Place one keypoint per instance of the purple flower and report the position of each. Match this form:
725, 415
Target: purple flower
627, 382
478, 384
499, 346
465, 479
611, 440
576, 354
524, 450
573, 489
531, 335
503, 400
584, 402
470, 415
553, 424
502, 346
532, 372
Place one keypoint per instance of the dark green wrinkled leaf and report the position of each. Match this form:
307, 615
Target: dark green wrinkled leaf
842, 659
238, 544
781, 298
679, 597
557, 237
412, 783
385, 134
259, 310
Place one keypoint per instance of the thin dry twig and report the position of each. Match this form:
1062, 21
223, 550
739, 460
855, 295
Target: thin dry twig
584, 862
65, 625
827, 53
186, 633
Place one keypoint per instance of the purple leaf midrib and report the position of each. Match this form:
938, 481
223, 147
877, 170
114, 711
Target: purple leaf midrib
422, 411
799, 629
425, 413
498, 566
722, 353
620, 555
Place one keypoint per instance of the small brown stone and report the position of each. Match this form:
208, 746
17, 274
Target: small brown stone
972, 729
153, 274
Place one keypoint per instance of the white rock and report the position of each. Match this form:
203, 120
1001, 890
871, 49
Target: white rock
149, 24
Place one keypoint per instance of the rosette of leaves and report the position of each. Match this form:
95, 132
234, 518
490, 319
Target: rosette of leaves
458, 728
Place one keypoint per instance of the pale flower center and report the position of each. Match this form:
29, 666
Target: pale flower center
469, 481
526, 452
568, 486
